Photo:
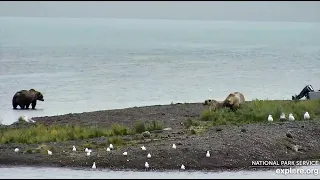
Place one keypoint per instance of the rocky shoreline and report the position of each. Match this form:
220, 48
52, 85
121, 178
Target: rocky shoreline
231, 147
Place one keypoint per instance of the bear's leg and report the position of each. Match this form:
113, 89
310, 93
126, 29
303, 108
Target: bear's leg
14, 105
34, 103
21, 106
27, 106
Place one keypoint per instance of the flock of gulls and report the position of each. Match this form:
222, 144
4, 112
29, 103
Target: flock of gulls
143, 148
306, 116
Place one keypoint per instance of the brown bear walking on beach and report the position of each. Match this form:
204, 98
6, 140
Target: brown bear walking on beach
234, 100
24, 98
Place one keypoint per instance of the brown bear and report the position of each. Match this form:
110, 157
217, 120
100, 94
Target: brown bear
24, 98
213, 104
234, 100
208, 102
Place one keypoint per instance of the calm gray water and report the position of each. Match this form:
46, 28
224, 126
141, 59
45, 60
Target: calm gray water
60, 173
94, 64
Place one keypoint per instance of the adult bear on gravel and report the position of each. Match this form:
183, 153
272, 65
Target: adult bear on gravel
24, 98
234, 100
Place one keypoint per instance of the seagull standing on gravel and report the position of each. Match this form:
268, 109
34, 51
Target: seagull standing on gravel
74, 148
282, 116
174, 146
291, 117
89, 152
86, 150
183, 167
143, 148
111, 146
146, 165
270, 119
125, 153
149, 155
16, 150
108, 149
94, 165
306, 116
208, 154
49, 152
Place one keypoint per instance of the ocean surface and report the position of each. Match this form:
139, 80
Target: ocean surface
95, 64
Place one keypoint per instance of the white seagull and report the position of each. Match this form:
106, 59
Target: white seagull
74, 148
306, 116
270, 119
16, 150
149, 155
146, 165
174, 146
49, 152
111, 146
89, 152
183, 167
94, 165
143, 148
208, 154
291, 117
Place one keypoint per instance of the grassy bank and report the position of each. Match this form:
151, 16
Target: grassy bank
255, 111
39, 133
251, 112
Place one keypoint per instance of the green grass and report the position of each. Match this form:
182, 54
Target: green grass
140, 127
39, 133
116, 141
118, 129
195, 126
55, 133
42, 148
258, 111
190, 122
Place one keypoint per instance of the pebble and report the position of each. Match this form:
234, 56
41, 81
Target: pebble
146, 134
289, 135
243, 130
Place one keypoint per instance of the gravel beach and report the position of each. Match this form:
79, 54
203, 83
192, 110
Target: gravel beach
231, 147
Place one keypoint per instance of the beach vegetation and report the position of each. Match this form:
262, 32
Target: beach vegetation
258, 110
